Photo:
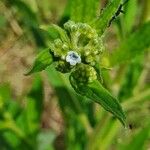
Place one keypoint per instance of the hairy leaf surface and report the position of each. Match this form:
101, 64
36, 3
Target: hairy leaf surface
102, 22
100, 95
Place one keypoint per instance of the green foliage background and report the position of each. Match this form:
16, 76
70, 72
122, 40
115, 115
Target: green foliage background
85, 124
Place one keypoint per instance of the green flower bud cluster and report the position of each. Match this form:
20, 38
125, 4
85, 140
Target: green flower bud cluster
62, 66
84, 74
92, 51
80, 52
59, 48
85, 41
80, 28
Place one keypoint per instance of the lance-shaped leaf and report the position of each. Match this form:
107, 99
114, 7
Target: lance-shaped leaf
54, 31
63, 34
96, 92
103, 21
43, 60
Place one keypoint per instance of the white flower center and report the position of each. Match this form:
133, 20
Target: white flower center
73, 58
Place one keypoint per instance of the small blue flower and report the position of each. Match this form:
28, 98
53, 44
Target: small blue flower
73, 58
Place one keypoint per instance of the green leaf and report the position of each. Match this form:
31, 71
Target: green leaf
70, 102
130, 15
67, 96
5, 92
99, 94
43, 60
34, 107
29, 119
62, 33
76, 10
134, 45
90, 10
83, 11
131, 77
51, 33
102, 22
8, 135
54, 31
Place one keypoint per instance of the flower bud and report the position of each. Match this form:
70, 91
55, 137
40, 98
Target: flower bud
57, 52
84, 74
65, 47
89, 59
68, 25
87, 52
62, 66
83, 42
74, 28
58, 43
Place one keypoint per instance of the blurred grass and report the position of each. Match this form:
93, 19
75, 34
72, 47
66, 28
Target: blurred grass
23, 100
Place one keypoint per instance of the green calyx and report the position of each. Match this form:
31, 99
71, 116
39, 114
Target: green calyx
84, 74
